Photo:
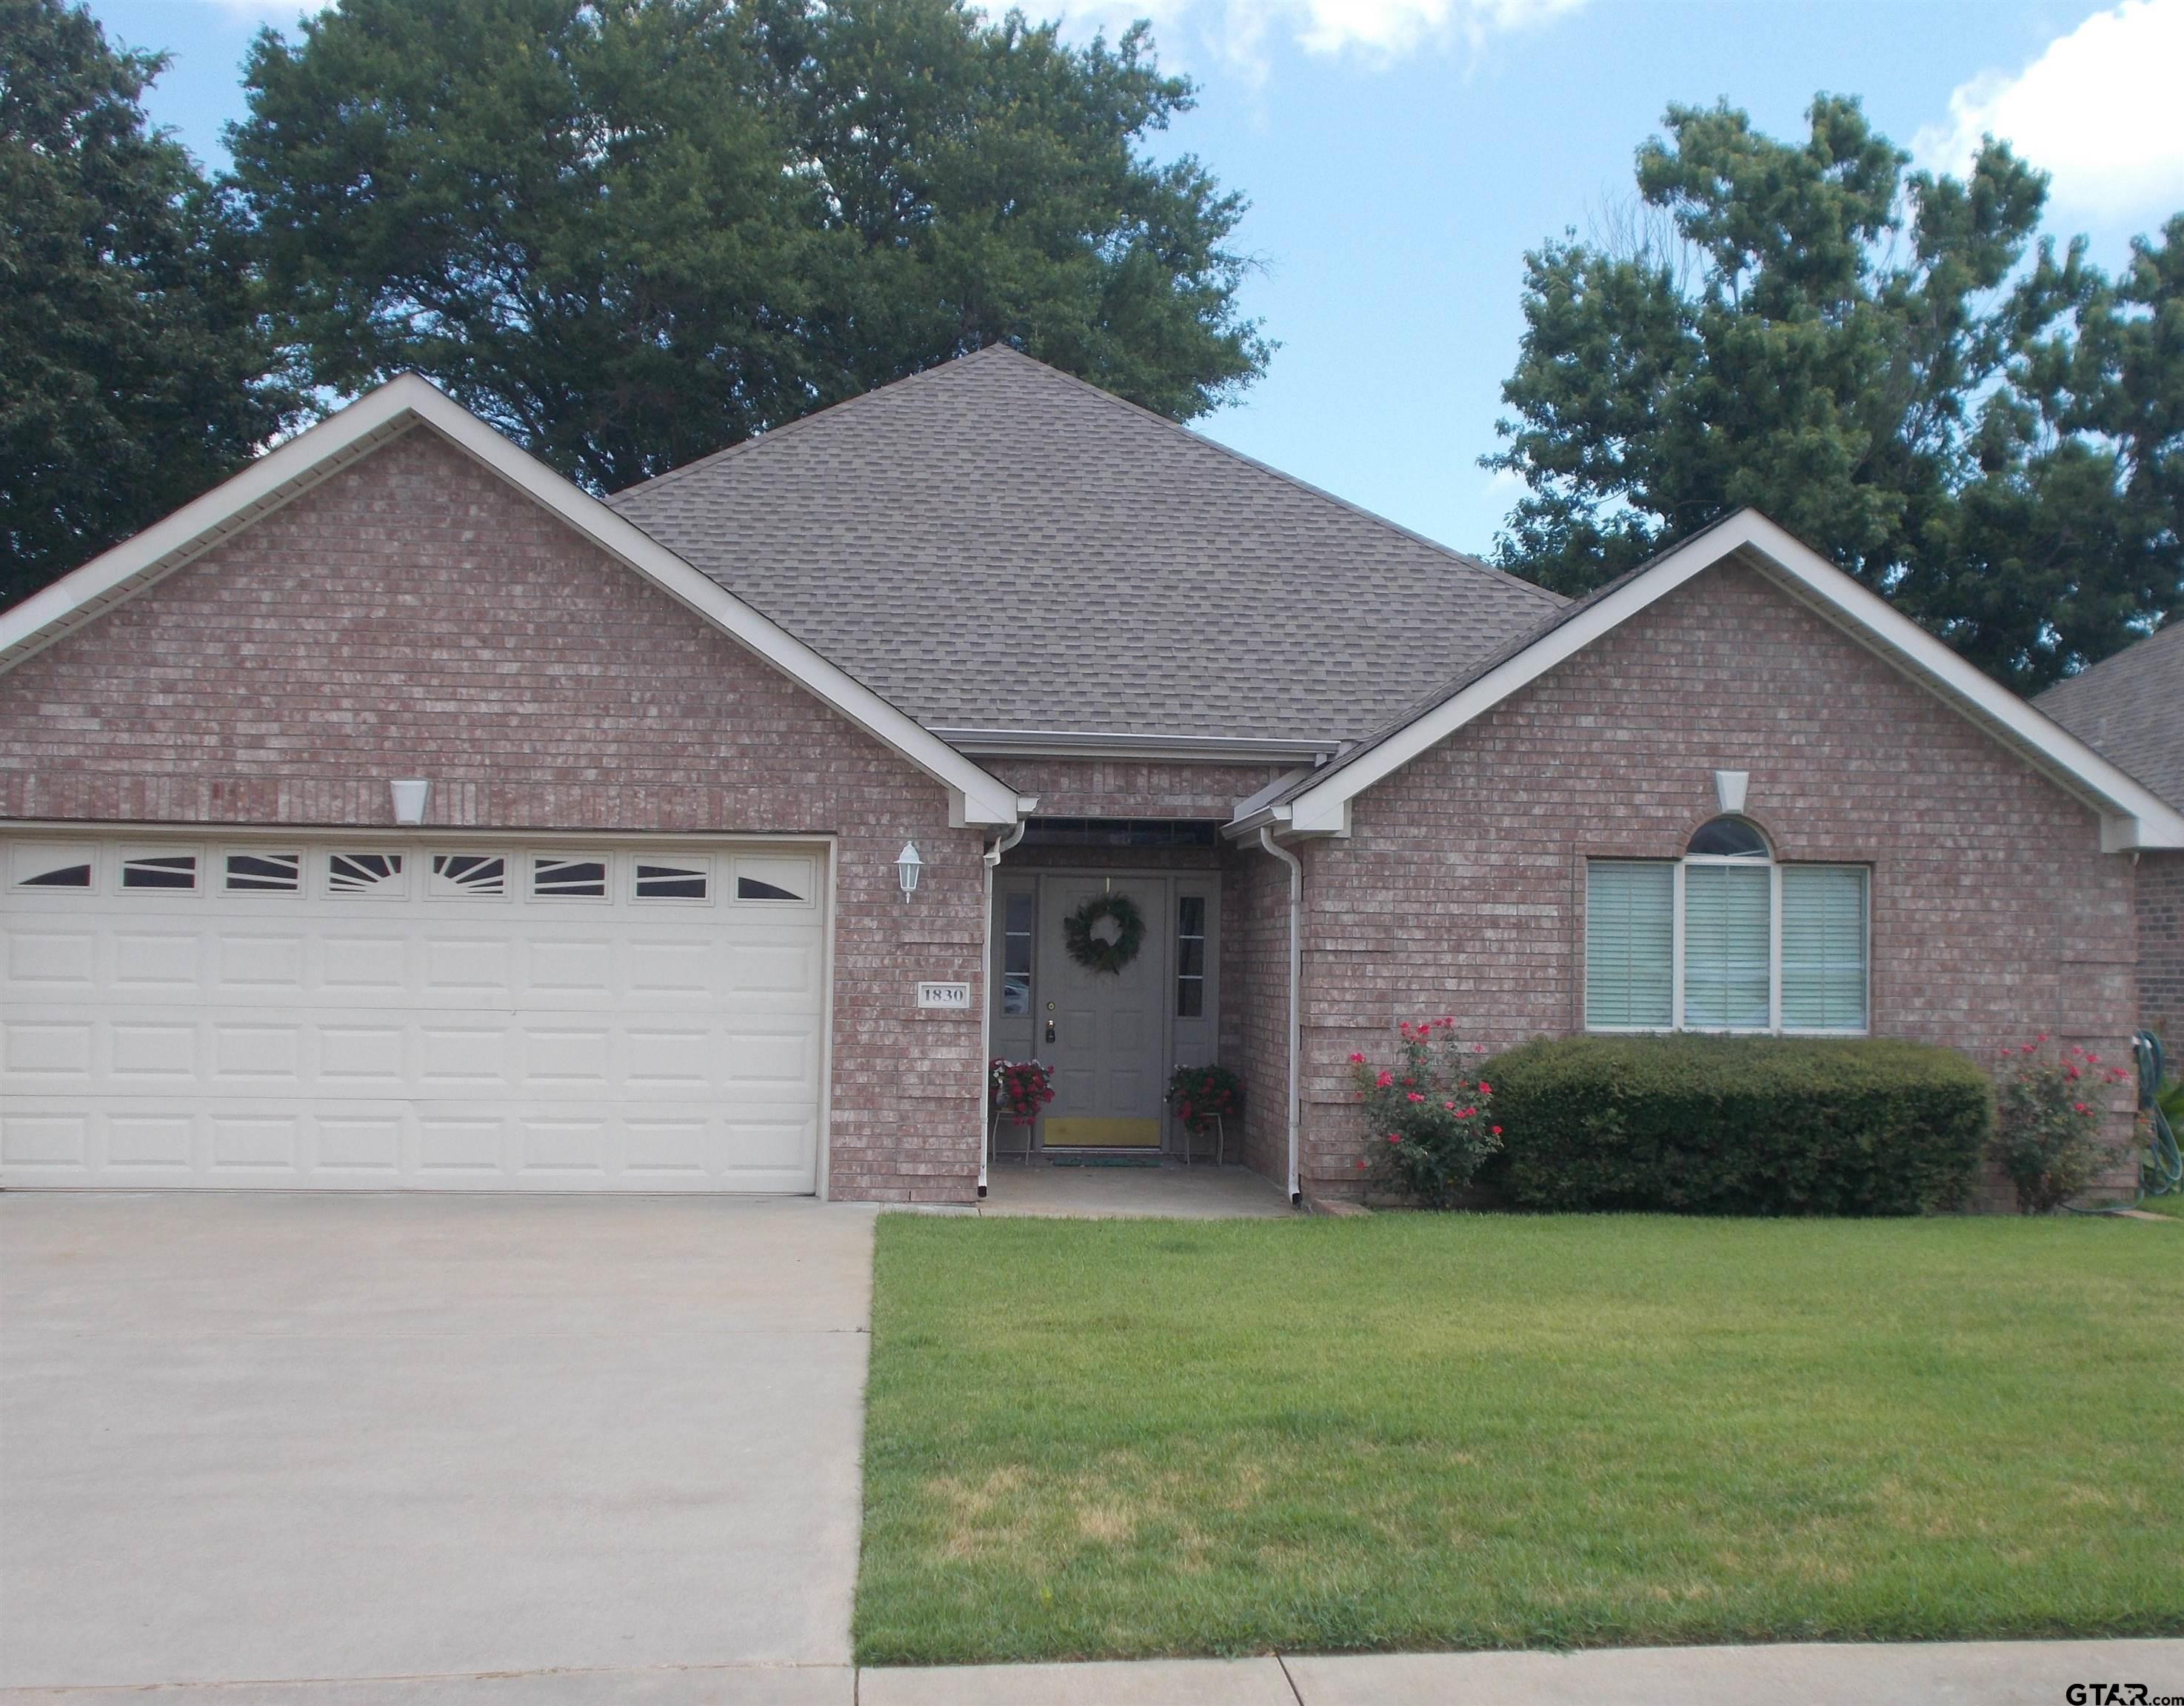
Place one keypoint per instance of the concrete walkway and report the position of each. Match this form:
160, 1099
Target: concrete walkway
1997, 1673
1170, 1192
278, 1437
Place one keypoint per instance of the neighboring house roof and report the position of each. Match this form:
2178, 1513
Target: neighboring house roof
407, 403
2129, 708
1009, 553
1318, 801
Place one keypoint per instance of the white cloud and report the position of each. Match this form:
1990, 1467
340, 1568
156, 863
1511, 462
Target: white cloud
1238, 30
2099, 110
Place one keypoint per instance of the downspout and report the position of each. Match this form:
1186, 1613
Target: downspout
1297, 978
993, 859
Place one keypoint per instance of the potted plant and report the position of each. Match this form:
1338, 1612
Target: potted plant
1201, 1097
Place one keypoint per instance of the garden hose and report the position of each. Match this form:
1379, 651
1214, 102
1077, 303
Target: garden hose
2161, 1174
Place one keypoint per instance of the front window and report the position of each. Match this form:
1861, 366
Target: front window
1725, 939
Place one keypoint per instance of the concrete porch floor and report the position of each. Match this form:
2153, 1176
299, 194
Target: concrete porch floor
1171, 1191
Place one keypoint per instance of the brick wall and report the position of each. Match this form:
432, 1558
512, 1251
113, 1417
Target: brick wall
1995, 916
1129, 788
414, 616
2161, 951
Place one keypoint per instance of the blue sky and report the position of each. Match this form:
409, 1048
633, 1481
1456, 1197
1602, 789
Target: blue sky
1400, 155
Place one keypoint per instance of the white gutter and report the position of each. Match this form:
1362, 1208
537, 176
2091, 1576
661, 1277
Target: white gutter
1082, 744
1297, 978
1026, 805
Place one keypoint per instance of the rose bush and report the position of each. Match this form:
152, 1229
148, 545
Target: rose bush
2048, 1110
1429, 1118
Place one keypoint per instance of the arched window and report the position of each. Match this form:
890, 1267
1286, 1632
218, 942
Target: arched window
1727, 838
1725, 939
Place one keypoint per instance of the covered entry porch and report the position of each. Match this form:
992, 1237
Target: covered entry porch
1118, 959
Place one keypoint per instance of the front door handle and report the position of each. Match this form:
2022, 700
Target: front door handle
1050, 1030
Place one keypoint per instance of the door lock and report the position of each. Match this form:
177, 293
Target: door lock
1050, 1030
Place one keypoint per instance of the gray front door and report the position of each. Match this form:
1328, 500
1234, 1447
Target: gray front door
1103, 1031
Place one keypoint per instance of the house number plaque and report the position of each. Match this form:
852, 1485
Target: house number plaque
944, 998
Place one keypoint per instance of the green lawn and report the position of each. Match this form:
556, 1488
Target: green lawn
1113, 1438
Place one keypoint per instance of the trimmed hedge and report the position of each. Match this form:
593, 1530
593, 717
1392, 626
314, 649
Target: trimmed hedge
1738, 1125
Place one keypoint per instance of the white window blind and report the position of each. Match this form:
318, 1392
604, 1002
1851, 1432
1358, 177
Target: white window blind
1630, 945
1824, 936
1728, 938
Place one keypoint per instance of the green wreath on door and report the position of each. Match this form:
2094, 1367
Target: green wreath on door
1095, 953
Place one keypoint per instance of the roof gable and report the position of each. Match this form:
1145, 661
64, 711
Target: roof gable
2132, 816
1009, 552
410, 404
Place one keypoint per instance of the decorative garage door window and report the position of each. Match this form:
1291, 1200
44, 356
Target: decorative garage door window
561, 878
779, 880
1726, 939
683, 878
159, 870
364, 874
263, 872
50, 867
484, 874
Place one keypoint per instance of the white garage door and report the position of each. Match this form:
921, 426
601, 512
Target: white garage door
379, 1013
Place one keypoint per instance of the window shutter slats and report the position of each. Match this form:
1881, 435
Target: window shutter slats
1629, 944
1727, 941
1823, 948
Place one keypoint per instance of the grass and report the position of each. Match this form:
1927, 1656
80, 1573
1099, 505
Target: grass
1123, 1438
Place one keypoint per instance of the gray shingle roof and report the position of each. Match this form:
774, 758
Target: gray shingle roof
995, 544
2130, 709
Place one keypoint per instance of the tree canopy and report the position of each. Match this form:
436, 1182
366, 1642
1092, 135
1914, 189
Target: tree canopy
136, 374
1987, 433
629, 232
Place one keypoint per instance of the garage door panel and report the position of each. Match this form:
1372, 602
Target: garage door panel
160, 1143
401, 1033
354, 964
50, 964
156, 964
256, 1144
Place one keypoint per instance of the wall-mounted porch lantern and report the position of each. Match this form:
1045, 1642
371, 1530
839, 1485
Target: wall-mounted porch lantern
410, 796
907, 865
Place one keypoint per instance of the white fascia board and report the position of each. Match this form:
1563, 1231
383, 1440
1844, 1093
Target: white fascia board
975, 798
2132, 815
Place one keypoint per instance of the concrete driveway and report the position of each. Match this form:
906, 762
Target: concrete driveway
270, 1438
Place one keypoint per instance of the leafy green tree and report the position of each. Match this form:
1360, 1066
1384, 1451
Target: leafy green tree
136, 375
632, 231
1991, 441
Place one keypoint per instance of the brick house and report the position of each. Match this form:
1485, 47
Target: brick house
398, 815
2129, 708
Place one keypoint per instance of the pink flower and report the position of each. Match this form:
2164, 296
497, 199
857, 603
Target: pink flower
1451, 1106
1497, 1131
1465, 1113
1484, 1088
1357, 1060
1384, 1080
1395, 1136
1415, 1096
2080, 1108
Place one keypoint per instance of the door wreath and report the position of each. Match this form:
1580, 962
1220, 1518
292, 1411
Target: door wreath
1097, 951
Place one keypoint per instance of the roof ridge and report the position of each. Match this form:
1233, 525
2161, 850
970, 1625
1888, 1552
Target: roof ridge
773, 433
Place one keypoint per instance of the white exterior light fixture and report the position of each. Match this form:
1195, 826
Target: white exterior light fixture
410, 796
1729, 787
907, 865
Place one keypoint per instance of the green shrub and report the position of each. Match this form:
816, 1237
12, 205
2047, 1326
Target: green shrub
1738, 1125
